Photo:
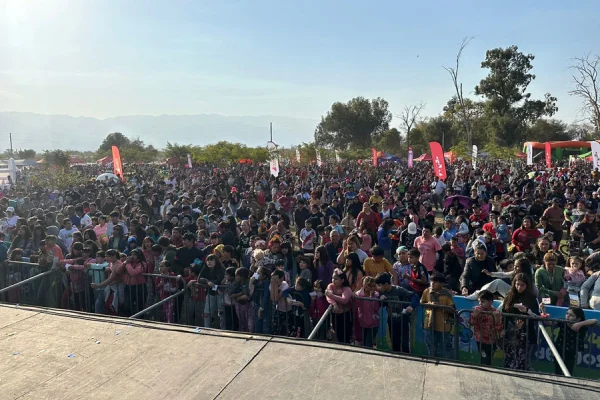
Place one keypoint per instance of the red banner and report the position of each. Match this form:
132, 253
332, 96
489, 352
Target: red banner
117, 166
374, 152
437, 157
548, 155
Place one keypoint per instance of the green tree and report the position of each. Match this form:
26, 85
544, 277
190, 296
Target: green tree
391, 142
358, 123
56, 158
547, 130
509, 106
178, 151
227, 153
113, 139
25, 154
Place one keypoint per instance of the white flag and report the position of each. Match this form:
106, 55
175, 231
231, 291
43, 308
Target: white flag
297, 155
319, 162
474, 156
274, 162
189, 161
337, 156
595, 153
529, 154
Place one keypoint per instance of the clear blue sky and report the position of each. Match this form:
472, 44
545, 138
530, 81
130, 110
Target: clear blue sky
265, 57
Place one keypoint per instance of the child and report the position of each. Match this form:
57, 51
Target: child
402, 266
502, 233
418, 279
368, 311
437, 321
97, 273
574, 275
259, 293
457, 249
571, 338
280, 265
166, 287
263, 230
201, 241
487, 326
195, 305
258, 259
227, 316
318, 306
300, 304
241, 295
438, 235
305, 272
307, 237
334, 223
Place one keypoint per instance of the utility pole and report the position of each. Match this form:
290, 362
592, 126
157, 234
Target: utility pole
271, 130
11, 148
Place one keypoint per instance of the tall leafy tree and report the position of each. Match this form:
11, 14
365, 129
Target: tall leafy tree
26, 154
509, 105
357, 123
113, 139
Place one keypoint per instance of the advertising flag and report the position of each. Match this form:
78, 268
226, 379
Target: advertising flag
297, 155
529, 153
189, 161
410, 157
337, 156
319, 161
274, 162
374, 153
117, 165
437, 157
548, 155
474, 156
595, 154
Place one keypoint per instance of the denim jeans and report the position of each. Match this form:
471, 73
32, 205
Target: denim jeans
438, 343
212, 308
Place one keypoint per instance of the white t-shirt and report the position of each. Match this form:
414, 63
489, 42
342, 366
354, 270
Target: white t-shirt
67, 236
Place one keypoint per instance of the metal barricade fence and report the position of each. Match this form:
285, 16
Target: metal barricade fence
156, 298
48, 285
522, 342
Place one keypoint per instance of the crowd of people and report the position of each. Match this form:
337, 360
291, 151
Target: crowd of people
264, 254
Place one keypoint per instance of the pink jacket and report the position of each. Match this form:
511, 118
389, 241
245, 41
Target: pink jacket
341, 297
368, 310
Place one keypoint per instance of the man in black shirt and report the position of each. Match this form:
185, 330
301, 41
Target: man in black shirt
187, 254
301, 214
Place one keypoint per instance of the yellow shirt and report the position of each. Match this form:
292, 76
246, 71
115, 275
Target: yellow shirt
372, 267
442, 315
376, 199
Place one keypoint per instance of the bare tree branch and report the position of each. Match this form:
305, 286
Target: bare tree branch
587, 86
409, 117
463, 112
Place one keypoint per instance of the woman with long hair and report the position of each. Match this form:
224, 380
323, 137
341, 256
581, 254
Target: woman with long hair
90, 234
323, 265
39, 234
524, 237
520, 333
339, 295
354, 272
23, 241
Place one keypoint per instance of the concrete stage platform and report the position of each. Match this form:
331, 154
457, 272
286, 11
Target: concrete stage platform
55, 354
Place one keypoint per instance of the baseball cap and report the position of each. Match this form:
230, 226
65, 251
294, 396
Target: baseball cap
401, 249
412, 228
10, 209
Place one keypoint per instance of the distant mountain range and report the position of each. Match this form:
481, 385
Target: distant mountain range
40, 132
